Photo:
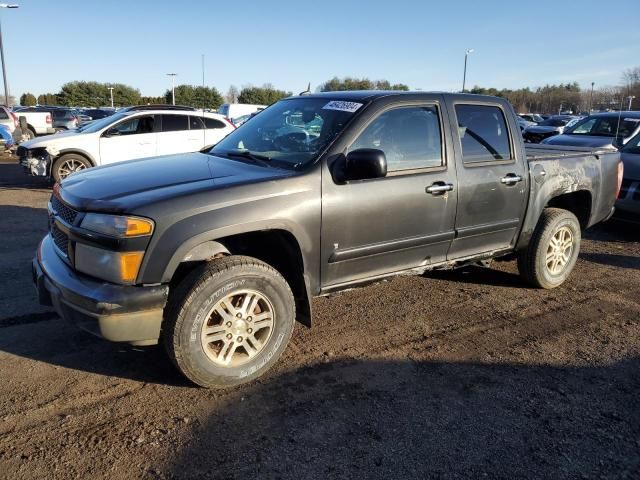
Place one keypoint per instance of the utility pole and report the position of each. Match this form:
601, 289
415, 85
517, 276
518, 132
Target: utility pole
173, 86
464, 75
4, 71
111, 91
591, 98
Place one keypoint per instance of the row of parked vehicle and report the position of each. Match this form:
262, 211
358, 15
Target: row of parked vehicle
606, 130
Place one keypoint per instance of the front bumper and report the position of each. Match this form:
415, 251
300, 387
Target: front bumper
118, 313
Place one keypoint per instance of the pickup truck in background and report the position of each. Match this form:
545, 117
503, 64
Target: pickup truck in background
37, 123
217, 254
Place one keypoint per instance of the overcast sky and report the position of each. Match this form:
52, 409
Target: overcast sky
291, 43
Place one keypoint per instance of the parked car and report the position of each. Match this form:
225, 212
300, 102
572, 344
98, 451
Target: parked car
8, 118
241, 119
547, 128
601, 130
222, 251
522, 123
531, 117
235, 110
97, 113
6, 137
628, 204
126, 135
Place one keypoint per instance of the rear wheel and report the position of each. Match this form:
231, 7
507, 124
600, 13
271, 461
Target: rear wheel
68, 164
553, 249
228, 321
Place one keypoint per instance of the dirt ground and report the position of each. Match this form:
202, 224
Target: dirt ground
466, 374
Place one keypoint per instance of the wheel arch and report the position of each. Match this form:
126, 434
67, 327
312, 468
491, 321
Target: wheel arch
579, 203
77, 151
276, 247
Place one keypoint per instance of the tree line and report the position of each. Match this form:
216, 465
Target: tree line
96, 94
545, 99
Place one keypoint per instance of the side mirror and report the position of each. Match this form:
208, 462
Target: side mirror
112, 132
365, 163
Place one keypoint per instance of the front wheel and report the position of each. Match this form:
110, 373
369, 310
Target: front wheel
553, 249
228, 321
68, 164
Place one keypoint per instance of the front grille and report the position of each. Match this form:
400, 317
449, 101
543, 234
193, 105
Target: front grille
60, 239
63, 211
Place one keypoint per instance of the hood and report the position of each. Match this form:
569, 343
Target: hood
127, 185
581, 141
50, 140
631, 163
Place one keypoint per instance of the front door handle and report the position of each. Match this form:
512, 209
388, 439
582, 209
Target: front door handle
438, 188
511, 179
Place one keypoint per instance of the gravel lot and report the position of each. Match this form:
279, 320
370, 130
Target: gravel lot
466, 374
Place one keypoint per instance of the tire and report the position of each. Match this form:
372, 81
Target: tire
68, 164
206, 297
545, 264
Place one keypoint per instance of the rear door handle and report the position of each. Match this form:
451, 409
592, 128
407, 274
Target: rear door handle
438, 188
511, 179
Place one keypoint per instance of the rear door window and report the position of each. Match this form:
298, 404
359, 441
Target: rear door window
175, 123
483, 132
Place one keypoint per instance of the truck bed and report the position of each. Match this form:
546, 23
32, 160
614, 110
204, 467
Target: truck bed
548, 152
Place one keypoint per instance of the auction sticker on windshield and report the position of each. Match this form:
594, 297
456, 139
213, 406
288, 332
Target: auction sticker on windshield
342, 106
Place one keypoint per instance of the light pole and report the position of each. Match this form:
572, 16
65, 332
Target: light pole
591, 98
630, 97
464, 76
4, 71
111, 92
173, 86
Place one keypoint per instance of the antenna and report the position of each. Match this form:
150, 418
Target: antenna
204, 125
619, 118
307, 91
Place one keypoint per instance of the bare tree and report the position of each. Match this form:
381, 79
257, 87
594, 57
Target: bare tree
232, 94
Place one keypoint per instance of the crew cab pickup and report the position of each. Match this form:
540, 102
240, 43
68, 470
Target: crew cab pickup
217, 254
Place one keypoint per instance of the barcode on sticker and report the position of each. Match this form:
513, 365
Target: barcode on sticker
342, 106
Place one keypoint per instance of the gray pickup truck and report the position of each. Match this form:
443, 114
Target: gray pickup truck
216, 254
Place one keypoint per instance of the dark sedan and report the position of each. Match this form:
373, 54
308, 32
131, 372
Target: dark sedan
552, 126
601, 130
628, 204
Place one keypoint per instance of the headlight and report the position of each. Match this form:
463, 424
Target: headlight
117, 225
116, 267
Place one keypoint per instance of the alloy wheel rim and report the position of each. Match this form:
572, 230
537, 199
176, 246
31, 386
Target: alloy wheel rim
559, 251
70, 166
237, 328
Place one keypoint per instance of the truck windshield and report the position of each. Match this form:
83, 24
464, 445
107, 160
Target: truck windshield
291, 133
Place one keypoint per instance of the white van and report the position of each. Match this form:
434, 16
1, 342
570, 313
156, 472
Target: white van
235, 110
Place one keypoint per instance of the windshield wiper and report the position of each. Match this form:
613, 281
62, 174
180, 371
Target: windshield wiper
245, 154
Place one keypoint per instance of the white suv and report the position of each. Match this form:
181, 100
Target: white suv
136, 132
